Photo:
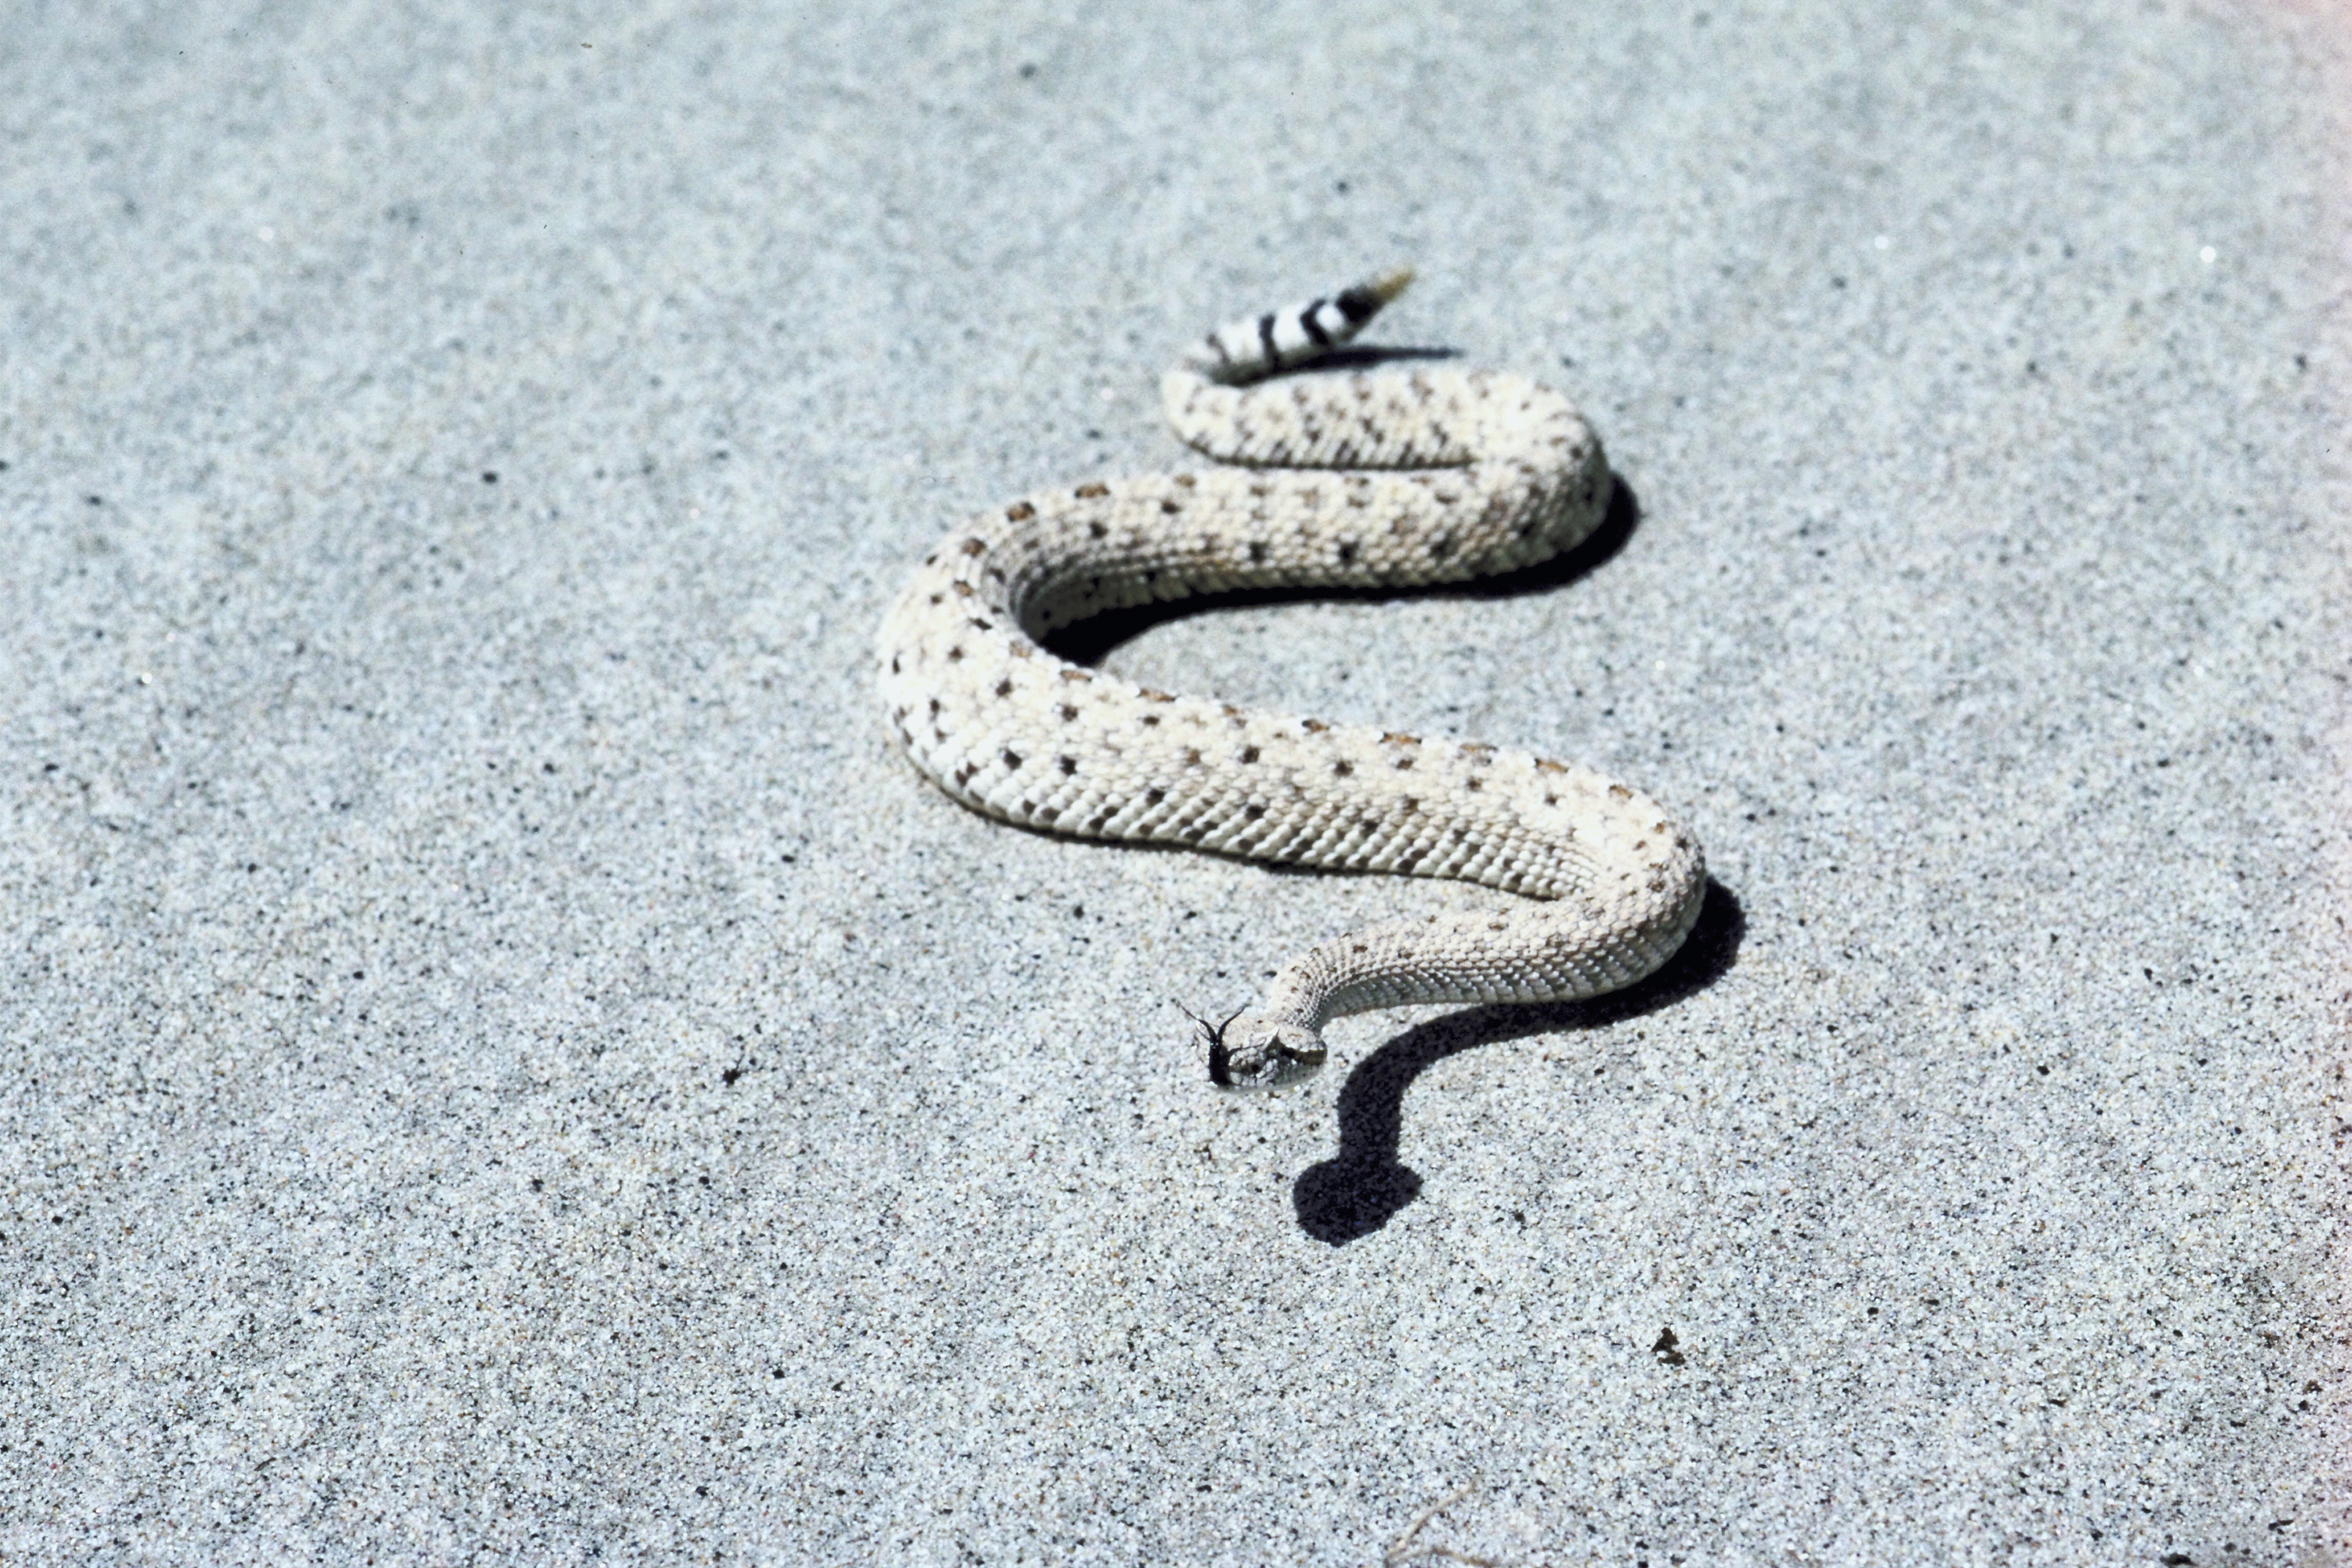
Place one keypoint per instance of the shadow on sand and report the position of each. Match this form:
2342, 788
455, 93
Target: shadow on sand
1364, 1186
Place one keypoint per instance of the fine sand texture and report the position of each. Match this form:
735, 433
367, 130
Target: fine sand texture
500, 1060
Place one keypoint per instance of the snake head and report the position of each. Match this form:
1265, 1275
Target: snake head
1247, 1051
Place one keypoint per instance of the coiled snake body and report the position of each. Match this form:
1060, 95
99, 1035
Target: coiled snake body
1368, 478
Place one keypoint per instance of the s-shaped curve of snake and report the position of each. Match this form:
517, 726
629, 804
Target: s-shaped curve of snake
1363, 480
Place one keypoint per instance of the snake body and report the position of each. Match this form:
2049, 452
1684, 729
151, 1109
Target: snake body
1364, 478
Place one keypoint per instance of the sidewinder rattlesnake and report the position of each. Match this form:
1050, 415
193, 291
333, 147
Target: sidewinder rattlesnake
1364, 480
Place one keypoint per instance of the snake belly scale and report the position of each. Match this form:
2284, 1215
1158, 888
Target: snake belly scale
1379, 478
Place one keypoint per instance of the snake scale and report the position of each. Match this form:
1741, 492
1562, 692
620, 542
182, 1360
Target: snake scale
1361, 478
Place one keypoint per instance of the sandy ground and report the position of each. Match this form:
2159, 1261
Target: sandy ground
503, 1063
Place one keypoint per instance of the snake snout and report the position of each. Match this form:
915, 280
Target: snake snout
1257, 1053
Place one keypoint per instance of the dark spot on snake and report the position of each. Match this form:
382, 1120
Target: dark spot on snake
1256, 552
1170, 508
1011, 759
1154, 797
1097, 531
974, 546
1019, 512
1005, 687
1253, 811
1067, 764
1343, 769
1090, 492
954, 654
1069, 712
1249, 754
1348, 551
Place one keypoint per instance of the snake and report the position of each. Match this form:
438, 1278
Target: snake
1347, 475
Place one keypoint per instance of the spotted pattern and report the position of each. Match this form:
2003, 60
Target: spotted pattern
1380, 478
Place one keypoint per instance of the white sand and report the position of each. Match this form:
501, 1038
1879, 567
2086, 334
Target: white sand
502, 1063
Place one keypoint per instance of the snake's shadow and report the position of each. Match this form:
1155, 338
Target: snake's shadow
1089, 641
1363, 1187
